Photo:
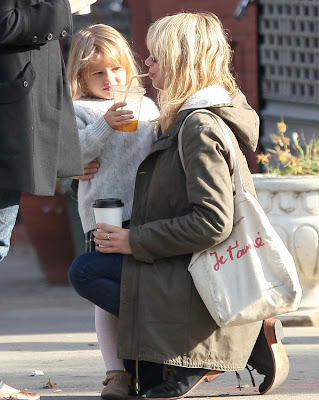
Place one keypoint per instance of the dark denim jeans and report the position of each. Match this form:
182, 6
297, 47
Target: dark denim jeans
9, 206
97, 278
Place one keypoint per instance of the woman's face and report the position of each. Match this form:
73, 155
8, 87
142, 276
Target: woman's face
155, 73
102, 76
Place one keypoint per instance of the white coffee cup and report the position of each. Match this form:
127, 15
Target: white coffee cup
108, 211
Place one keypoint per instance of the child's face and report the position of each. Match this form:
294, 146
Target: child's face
102, 76
155, 73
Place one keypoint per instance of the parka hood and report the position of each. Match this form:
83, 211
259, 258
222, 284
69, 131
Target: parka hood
234, 110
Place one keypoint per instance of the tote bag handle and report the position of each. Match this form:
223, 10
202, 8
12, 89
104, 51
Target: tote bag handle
223, 130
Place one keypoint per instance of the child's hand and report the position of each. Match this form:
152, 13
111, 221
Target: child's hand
89, 170
77, 5
116, 117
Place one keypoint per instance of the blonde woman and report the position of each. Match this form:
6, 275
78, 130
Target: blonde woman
177, 213
100, 58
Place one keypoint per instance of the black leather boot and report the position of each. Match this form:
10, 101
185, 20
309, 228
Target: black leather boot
180, 381
150, 375
269, 357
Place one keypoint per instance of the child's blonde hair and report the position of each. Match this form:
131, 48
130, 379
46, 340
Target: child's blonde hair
89, 45
193, 51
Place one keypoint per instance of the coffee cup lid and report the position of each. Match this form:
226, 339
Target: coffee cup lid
108, 203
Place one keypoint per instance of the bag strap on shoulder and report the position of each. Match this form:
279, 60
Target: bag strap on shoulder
223, 130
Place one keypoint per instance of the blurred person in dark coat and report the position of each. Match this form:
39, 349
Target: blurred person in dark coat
38, 132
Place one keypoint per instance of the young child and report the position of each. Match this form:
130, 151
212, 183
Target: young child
100, 58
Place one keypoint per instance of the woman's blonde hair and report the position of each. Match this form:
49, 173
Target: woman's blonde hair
91, 44
193, 52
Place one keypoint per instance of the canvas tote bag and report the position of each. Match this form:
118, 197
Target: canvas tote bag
250, 276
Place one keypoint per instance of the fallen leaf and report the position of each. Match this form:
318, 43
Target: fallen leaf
49, 385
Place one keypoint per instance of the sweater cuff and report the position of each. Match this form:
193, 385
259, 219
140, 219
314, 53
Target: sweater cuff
101, 128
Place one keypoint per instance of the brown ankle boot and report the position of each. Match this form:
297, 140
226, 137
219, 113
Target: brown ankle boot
117, 385
269, 357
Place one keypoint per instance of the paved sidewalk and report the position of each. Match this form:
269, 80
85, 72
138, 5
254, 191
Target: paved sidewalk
50, 328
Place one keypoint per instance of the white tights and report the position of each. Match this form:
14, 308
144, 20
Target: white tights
106, 326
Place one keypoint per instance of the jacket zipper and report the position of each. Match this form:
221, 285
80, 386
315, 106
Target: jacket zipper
137, 383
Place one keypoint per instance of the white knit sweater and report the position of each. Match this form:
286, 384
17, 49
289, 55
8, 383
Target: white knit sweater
119, 154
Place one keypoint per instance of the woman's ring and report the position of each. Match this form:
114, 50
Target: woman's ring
107, 236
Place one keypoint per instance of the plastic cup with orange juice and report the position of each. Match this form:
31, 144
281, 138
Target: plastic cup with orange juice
133, 96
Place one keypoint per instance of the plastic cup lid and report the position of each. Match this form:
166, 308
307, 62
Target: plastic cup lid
133, 89
108, 203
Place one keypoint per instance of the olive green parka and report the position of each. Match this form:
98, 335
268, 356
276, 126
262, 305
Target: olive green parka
176, 213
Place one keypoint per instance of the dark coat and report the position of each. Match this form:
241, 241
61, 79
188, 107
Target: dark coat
176, 213
38, 133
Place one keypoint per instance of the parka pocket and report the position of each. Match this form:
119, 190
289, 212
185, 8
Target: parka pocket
15, 90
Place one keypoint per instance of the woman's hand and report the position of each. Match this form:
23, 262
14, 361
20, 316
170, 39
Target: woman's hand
89, 170
115, 117
112, 239
77, 5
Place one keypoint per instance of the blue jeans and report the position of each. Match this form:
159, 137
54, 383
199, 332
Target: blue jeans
9, 206
97, 278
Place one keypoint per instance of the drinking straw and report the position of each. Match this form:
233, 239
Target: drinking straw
130, 83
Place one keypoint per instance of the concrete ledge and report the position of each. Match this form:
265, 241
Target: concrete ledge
301, 317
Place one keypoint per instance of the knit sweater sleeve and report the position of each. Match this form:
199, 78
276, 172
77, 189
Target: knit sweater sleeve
93, 130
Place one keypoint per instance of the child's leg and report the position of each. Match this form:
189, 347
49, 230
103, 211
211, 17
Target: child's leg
106, 326
97, 277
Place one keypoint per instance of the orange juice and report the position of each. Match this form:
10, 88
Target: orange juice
131, 127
